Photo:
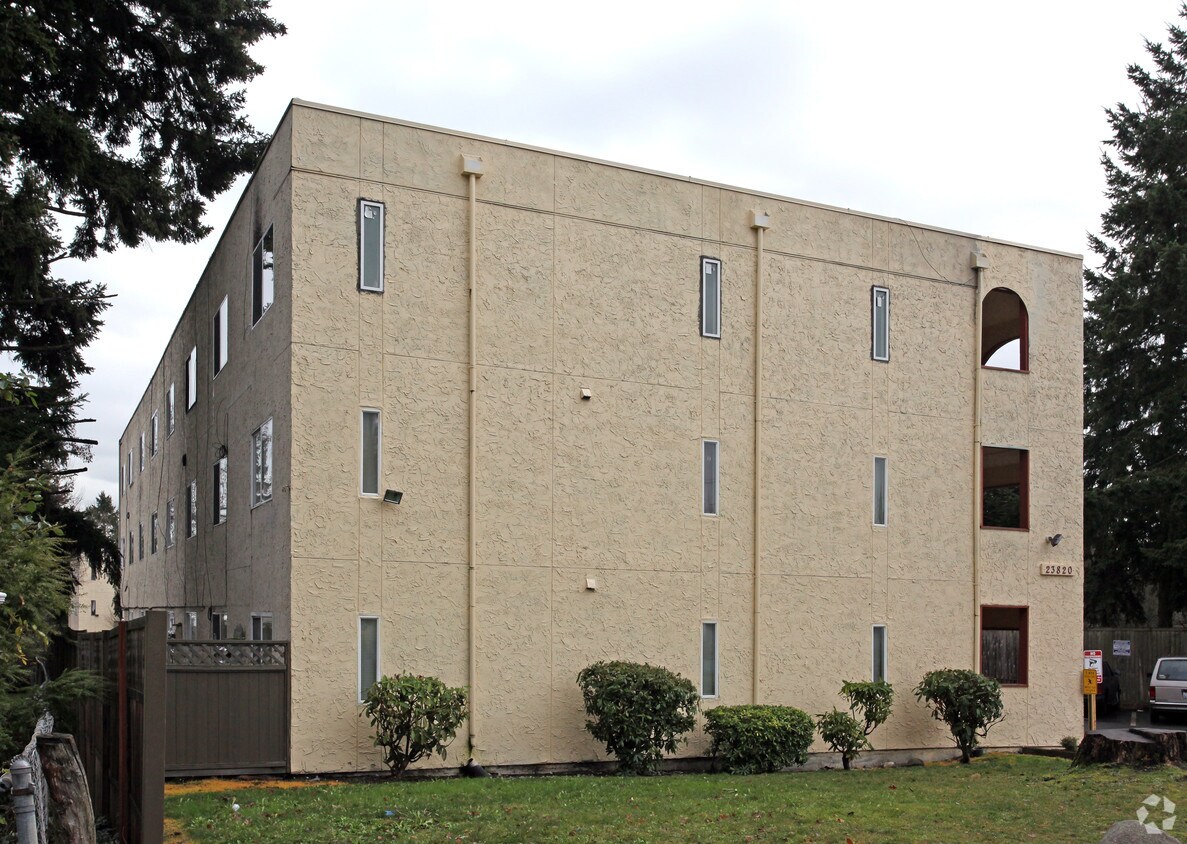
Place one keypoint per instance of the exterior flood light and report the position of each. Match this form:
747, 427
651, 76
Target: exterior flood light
1055, 540
393, 496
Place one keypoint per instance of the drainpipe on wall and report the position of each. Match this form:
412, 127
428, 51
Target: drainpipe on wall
979, 262
472, 169
760, 222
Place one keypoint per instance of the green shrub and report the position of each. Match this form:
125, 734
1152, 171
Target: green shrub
413, 717
843, 733
759, 739
968, 702
638, 711
848, 733
1069, 743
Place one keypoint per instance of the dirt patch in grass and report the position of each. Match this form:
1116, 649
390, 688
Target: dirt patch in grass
221, 786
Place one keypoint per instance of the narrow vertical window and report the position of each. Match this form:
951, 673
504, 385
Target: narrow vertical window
370, 452
140, 537
710, 475
880, 490
191, 509
261, 464
708, 659
94, 608
170, 410
370, 245
170, 523
153, 440
1005, 493
219, 341
710, 297
191, 379
131, 547
218, 625
129, 472
141, 452
262, 277
153, 533
878, 658
219, 485
881, 323
191, 625
368, 653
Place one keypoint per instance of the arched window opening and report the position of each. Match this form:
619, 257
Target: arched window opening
1004, 331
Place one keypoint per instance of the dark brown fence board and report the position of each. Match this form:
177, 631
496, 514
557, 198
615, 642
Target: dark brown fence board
1147, 644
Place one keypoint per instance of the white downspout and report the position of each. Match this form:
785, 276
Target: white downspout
760, 222
472, 169
979, 263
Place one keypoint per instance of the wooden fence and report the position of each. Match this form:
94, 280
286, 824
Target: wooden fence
175, 709
228, 706
121, 736
1145, 646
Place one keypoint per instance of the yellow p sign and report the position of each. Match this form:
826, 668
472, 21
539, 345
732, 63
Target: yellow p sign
1089, 681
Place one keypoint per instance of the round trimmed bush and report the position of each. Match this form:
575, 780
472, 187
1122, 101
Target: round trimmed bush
759, 739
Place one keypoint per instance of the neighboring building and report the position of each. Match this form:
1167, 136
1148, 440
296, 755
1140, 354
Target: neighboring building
92, 605
597, 498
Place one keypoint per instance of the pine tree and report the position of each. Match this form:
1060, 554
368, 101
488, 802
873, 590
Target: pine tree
118, 122
1135, 352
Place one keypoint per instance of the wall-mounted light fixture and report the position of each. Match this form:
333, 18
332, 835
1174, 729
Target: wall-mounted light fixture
393, 496
1055, 540
591, 584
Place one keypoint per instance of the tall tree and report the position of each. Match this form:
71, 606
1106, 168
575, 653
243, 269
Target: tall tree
118, 122
1135, 352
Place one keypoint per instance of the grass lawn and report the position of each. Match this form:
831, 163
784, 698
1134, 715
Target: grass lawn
998, 798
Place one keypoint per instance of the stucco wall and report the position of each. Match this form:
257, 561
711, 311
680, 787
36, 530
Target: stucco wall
589, 278
239, 567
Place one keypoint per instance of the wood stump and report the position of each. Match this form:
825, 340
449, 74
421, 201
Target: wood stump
1140, 747
71, 817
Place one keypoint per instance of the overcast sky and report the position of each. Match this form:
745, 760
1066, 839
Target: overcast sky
986, 118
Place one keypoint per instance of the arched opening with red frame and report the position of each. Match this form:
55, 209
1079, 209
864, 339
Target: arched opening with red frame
1004, 330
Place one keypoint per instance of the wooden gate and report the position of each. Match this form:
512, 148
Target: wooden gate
1146, 645
228, 705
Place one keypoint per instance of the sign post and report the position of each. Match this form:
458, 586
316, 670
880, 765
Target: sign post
1090, 690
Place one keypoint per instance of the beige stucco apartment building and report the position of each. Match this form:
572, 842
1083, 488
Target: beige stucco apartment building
574, 445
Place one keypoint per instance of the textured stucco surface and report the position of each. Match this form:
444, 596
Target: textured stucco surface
588, 278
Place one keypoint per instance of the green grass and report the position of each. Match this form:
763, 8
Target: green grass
1002, 798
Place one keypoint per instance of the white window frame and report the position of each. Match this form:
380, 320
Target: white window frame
257, 468
221, 490
191, 379
191, 624
363, 452
218, 619
170, 410
220, 345
363, 205
259, 616
874, 628
170, 522
191, 509
716, 659
153, 436
707, 262
267, 293
378, 653
94, 608
716, 478
874, 291
882, 491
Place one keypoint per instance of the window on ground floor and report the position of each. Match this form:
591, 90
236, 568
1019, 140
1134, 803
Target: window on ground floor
1004, 646
878, 656
261, 627
708, 659
368, 653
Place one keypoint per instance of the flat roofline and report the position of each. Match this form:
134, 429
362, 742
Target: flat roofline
690, 179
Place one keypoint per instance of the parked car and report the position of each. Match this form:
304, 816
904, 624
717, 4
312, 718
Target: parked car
1168, 687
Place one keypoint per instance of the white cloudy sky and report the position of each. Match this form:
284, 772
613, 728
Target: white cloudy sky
984, 117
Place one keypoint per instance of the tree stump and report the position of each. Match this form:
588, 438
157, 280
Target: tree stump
1140, 747
71, 817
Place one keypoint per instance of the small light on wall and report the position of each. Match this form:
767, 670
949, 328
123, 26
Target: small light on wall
586, 395
393, 496
1055, 540
591, 584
